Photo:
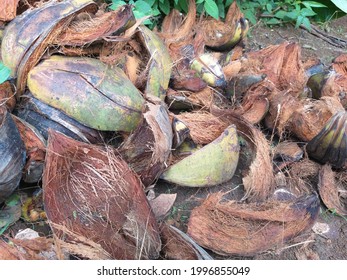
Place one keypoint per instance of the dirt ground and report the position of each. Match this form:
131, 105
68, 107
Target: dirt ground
328, 238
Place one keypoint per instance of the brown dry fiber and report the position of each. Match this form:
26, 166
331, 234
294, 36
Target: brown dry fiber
87, 29
7, 95
8, 9
328, 188
162, 204
148, 148
93, 193
229, 228
204, 127
259, 182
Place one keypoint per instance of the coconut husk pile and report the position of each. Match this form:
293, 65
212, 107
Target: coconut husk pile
104, 112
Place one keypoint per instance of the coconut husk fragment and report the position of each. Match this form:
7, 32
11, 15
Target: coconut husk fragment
179, 246
7, 96
335, 85
92, 192
285, 153
86, 28
148, 148
204, 127
332, 191
35, 146
340, 64
231, 228
8, 9
258, 180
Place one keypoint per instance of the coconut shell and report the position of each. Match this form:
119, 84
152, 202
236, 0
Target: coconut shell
160, 64
230, 228
88, 91
27, 37
93, 193
340, 64
44, 117
329, 190
148, 148
12, 155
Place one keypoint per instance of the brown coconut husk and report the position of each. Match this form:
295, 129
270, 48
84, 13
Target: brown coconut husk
162, 204
340, 64
309, 119
148, 148
336, 86
176, 29
232, 69
330, 190
286, 153
204, 127
87, 28
93, 193
259, 180
8, 9
230, 228
179, 246
7, 96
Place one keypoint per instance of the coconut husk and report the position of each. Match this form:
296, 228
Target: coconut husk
179, 246
186, 79
234, 13
285, 153
26, 249
335, 85
330, 190
258, 180
204, 127
9, 9
232, 69
93, 193
230, 228
340, 64
7, 95
148, 148
254, 109
309, 119
35, 146
175, 28
87, 28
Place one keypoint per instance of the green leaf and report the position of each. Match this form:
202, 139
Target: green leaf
183, 5
307, 12
269, 7
211, 8
281, 14
165, 6
273, 21
4, 73
221, 9
293, 15
151, 2
313, 4
116, 4
199, 1
299, 21
306, 23
250, 16
143, 8
341, 4
228, 3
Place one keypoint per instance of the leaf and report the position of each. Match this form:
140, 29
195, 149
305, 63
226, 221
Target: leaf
269, 7
341, 4
4, 73
281, 14
293, 15
306, 23
151, 2
211, 8
299, 21
165, 7
184, 5
274, 21
307, 12
250, 16
116, 4
143, 7
313, 4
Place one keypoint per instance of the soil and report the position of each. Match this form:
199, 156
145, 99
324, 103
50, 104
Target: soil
328, 238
